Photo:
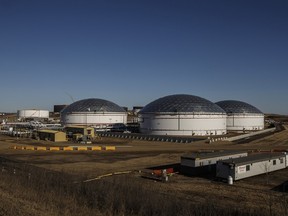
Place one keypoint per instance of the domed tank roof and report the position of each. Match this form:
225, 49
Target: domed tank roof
92, 105
237, 107
181, 103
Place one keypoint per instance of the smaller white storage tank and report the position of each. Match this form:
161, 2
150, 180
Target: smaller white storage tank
241, 116
32, 114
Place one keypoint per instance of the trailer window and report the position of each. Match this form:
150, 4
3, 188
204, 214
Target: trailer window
274, 162
281, 160
247, 167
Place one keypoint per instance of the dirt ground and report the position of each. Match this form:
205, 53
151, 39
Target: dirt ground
135, 155
129, 154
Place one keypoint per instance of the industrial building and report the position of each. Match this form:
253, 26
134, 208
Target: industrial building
182, 115
52, 135
32, 114
241, 116
202, 162
89, 132
59, 108
240, 168
93, 112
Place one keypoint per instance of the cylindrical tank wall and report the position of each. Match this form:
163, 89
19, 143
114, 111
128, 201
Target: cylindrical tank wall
33, 114
245, 122
94, 119
188, 125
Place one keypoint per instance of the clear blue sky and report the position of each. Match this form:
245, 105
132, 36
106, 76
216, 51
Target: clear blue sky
132, 52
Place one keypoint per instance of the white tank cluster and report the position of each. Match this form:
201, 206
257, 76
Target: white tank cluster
32, 114
242, 116
93, 112
182, 115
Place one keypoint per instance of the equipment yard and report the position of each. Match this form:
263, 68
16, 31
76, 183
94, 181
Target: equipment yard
132, 157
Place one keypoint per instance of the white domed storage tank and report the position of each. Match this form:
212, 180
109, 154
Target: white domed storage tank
93, 112
242, 116
182, 114
32, 114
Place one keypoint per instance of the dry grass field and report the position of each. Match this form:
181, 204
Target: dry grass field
188, 195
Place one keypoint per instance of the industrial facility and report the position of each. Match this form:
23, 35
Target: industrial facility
93, 112
182, 114
170, 116
32, 114
241, 116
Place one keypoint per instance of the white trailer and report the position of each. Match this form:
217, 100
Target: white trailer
198, 163
257, 164
204, 159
